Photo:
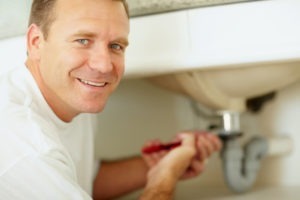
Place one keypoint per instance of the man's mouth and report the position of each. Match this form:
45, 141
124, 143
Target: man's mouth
91, 83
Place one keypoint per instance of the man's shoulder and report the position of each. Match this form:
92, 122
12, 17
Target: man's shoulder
19, 130
21, 137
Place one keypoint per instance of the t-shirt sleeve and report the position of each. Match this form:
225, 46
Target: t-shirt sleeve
41, 177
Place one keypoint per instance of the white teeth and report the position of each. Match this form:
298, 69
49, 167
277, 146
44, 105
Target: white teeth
92, 83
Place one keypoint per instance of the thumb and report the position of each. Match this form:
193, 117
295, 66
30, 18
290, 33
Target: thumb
187, 139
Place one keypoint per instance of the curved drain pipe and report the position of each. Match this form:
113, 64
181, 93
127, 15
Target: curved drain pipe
240, 166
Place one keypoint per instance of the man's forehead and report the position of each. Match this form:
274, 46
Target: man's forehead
86, 7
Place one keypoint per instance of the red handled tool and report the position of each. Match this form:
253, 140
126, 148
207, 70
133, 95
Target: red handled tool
167, 146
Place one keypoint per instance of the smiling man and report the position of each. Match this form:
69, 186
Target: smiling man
87, 45
76, 51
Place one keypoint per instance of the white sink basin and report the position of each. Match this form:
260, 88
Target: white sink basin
221, 55
228, 88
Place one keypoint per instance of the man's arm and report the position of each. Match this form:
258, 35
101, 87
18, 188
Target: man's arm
120, 177
153, 170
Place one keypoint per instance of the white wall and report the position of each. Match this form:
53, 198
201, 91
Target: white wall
14, 16
12, 53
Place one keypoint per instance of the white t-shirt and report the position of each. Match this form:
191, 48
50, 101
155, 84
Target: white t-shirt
41, 157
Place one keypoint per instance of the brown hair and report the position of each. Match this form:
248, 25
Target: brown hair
42, 14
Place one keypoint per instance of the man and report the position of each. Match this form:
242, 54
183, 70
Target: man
75, 61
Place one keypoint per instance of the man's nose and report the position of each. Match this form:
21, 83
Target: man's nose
101, 61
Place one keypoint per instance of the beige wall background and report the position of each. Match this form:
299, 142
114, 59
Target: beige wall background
139, 111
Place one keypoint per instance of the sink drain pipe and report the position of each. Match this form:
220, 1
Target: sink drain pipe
240, 165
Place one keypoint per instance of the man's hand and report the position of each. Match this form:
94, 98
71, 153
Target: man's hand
205, 145
163, 176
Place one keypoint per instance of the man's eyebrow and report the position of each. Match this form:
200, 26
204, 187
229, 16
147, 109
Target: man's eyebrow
84, 34
123, 41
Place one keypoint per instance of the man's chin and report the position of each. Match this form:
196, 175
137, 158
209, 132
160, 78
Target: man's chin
95, 109
91, 106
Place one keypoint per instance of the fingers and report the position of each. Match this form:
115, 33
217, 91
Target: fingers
216, 142
207, 144
152, 159
196, 167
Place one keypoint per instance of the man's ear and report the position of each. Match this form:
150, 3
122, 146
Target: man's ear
34, 41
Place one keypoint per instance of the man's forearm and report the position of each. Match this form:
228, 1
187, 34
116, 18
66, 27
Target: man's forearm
161, 184
159, 187
156, 194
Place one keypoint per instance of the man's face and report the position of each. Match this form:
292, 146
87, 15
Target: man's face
82, 60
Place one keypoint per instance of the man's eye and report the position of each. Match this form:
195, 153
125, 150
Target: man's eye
116, 46
83, 41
